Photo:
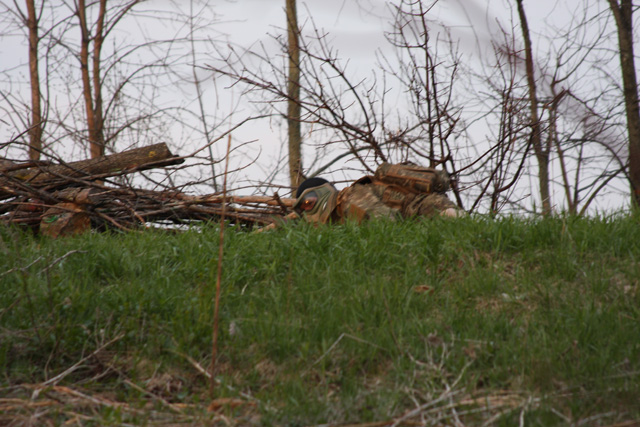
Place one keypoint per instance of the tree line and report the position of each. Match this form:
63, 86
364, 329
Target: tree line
562, 126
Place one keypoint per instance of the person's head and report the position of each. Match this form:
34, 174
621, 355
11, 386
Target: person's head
315, 200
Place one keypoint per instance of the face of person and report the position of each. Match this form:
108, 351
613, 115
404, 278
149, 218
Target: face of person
317, 203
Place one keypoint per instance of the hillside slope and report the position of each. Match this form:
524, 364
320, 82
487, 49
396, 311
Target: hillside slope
462, 321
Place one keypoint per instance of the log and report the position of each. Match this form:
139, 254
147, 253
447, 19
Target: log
53, 176
6, 164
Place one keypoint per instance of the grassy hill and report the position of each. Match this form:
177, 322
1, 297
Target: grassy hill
466, 321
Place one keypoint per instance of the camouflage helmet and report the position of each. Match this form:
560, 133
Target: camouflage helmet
316, 200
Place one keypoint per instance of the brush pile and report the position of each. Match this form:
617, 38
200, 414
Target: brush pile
70, 198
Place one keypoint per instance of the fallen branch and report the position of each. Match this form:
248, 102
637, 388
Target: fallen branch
137, 159
69, 198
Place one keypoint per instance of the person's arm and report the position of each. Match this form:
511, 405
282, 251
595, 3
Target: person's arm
277, 223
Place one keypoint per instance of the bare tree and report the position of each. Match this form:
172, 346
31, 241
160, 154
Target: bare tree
548, 106
541, 150
497, 171
293, 93
345, 112
35, 132
348, 118
91, 81
91, 64
104, 90
575, 114
429, 79
577, 120
623, 14
27, 20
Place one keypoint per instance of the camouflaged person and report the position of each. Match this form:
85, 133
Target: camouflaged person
393, 192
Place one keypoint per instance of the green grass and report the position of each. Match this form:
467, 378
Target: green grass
472, 319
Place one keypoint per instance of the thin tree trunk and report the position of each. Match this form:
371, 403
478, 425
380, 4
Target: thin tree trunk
98, 145
623, 14
542, 154
35, 132
94, 126
293, 92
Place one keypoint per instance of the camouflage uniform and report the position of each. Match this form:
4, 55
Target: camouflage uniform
395, 191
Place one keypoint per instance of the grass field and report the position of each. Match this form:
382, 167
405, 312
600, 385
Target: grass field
462, 322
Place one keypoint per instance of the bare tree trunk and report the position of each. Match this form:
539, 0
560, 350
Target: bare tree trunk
93, 110
623, 14
542, 154
35, 132
293, 91
98, 145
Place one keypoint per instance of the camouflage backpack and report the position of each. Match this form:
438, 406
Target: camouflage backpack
412, 178
400, 190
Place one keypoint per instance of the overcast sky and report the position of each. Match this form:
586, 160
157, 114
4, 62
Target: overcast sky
356, 30
358, 26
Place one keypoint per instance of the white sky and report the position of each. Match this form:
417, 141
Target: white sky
356, 29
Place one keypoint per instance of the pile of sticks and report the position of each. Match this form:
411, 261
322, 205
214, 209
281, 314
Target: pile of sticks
70, 198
